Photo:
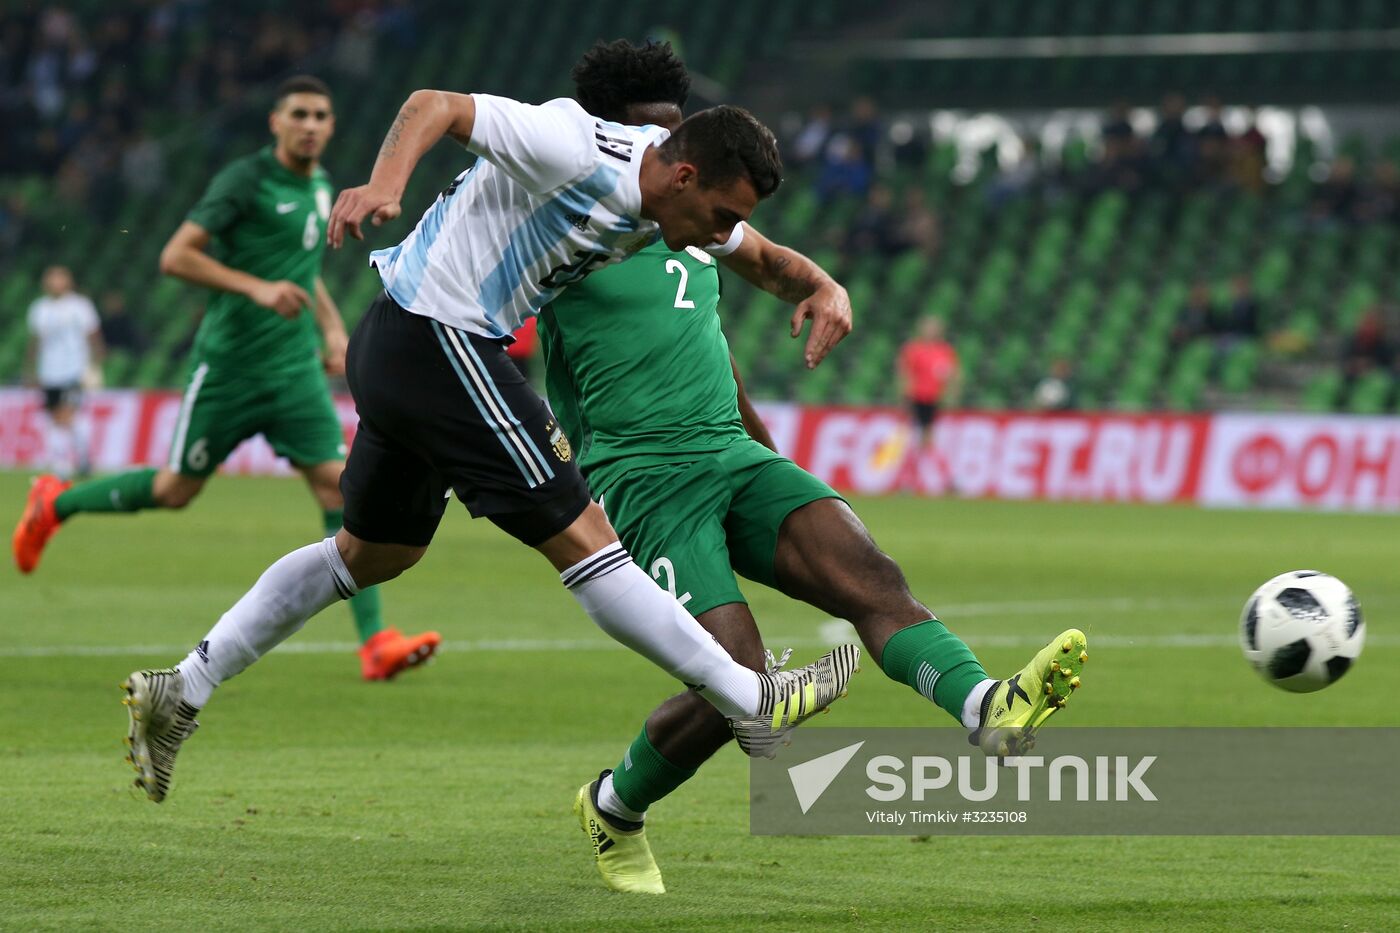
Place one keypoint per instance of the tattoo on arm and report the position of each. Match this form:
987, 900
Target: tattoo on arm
391, 139
791, 285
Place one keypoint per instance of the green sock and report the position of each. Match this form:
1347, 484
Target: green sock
644, 776
125, 492
364, 605
935, 662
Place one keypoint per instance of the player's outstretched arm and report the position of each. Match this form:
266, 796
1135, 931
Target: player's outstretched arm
793, 277
753, 424
332, 327
426, 117
186, 256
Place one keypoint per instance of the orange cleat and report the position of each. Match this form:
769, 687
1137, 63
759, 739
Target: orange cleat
38, 523
390, 651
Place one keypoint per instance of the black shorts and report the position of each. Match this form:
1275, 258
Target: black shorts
444, 409
924, 413
56, 397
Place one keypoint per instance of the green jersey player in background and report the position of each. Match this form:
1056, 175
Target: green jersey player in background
256, 239
640, 377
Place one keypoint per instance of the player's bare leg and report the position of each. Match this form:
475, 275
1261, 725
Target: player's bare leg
826, 557
172, 490
384, 651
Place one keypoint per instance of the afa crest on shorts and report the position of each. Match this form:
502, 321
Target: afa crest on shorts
560, 442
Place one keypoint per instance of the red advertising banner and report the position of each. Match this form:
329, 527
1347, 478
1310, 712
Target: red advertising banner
127, 429
1230, 460
1101, 457
1298, 461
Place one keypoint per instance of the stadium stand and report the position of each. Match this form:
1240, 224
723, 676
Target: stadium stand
1088, 257
1302, 72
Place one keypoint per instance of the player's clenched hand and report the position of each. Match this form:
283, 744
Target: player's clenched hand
829, 307
284, 297
334, 360
353, 206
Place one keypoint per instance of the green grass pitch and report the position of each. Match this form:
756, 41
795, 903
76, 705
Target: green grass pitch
312, 801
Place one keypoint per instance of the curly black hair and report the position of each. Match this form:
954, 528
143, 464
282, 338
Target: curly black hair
613, 75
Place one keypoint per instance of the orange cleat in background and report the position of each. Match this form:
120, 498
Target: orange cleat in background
389, 651
38, 523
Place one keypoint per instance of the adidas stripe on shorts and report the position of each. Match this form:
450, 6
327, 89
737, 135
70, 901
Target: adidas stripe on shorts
442, 409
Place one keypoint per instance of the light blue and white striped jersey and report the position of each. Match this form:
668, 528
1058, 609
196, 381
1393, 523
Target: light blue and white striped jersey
553, 197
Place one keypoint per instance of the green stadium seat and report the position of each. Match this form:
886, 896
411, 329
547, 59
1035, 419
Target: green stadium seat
1321, 392
1370, 394
1237, 372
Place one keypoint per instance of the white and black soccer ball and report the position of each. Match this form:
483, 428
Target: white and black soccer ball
1302, 630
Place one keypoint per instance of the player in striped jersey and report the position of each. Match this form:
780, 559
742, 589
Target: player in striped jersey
640, 376
555, 195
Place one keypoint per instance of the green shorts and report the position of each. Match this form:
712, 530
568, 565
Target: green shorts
691, 524
219, 412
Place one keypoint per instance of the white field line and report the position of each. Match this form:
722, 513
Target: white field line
830, 632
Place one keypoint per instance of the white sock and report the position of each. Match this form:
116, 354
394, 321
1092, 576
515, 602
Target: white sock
972, 706
629, 606
287, 594
610, 803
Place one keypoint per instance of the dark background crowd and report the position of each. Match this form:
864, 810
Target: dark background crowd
92, 101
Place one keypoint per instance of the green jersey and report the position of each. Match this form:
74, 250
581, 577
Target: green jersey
267, 221
637, 367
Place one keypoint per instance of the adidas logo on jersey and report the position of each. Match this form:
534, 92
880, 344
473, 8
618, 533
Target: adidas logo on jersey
580, 221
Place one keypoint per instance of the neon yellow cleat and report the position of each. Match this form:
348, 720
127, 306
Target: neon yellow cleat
1015, 708
623, 855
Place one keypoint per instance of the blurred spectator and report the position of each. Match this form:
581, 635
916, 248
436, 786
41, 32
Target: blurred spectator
1213, 146
1123, 163
1018, 178
809, 144
867, 128
14, 222
1370, 347
1117, 127
1240, 319
1336, 199
875, 229
143, 163
918, 224
845, 170
1247, 160
1235, 322
1056, 391
119, 331
928, 371
1380, 200
1172, 147
1196, 317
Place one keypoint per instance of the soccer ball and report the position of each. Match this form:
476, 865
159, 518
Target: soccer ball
1302, 630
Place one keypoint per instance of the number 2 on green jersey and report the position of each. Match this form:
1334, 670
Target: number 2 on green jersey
675, 265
